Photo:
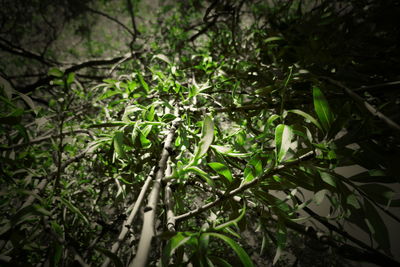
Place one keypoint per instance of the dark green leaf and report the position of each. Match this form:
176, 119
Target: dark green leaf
244, 258
118, 142
322, 109
117, 262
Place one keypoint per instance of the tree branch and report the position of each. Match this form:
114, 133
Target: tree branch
241, 188
365, 105
148, 231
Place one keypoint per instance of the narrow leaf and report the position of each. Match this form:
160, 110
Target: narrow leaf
322, 109
175, 242
207, 136
221, 169
74, 209
243, 256
115, 259
283, 137
306, 116
376, 225
118, 144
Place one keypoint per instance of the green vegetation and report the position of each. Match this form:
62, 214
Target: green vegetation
198, 133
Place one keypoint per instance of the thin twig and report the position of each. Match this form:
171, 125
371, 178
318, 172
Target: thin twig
241, 188
365, 104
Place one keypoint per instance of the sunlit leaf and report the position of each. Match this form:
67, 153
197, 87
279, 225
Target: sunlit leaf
283, 137
207, 136
163, 58
143, 82
306, 116
221, 169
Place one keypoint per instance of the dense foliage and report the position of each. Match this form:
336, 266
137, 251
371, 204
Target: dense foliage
201, 133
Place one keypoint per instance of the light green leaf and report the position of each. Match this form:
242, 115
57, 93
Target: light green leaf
227, 151
118, 142
143, 82
55, 72
221, 169
272, 39
70, 78
201, 173
306, 116
146, 143
207, 136
322, 109
283, 137
175, 242
163, 58
244, 258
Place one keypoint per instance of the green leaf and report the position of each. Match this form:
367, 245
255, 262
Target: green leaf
319, 196
322, 109
306, 116
327, 178
207, 136
272, 39
163, 58
114, 257
55, 72
253, 169
244, 258
28, 101
280, 242
146, 143
231, 222
70, 78
118, 141
227, 151
143, 82
74, 209
283, 137
219, 261
376, 225
221, 169
201, 173
175, 242
24, 213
